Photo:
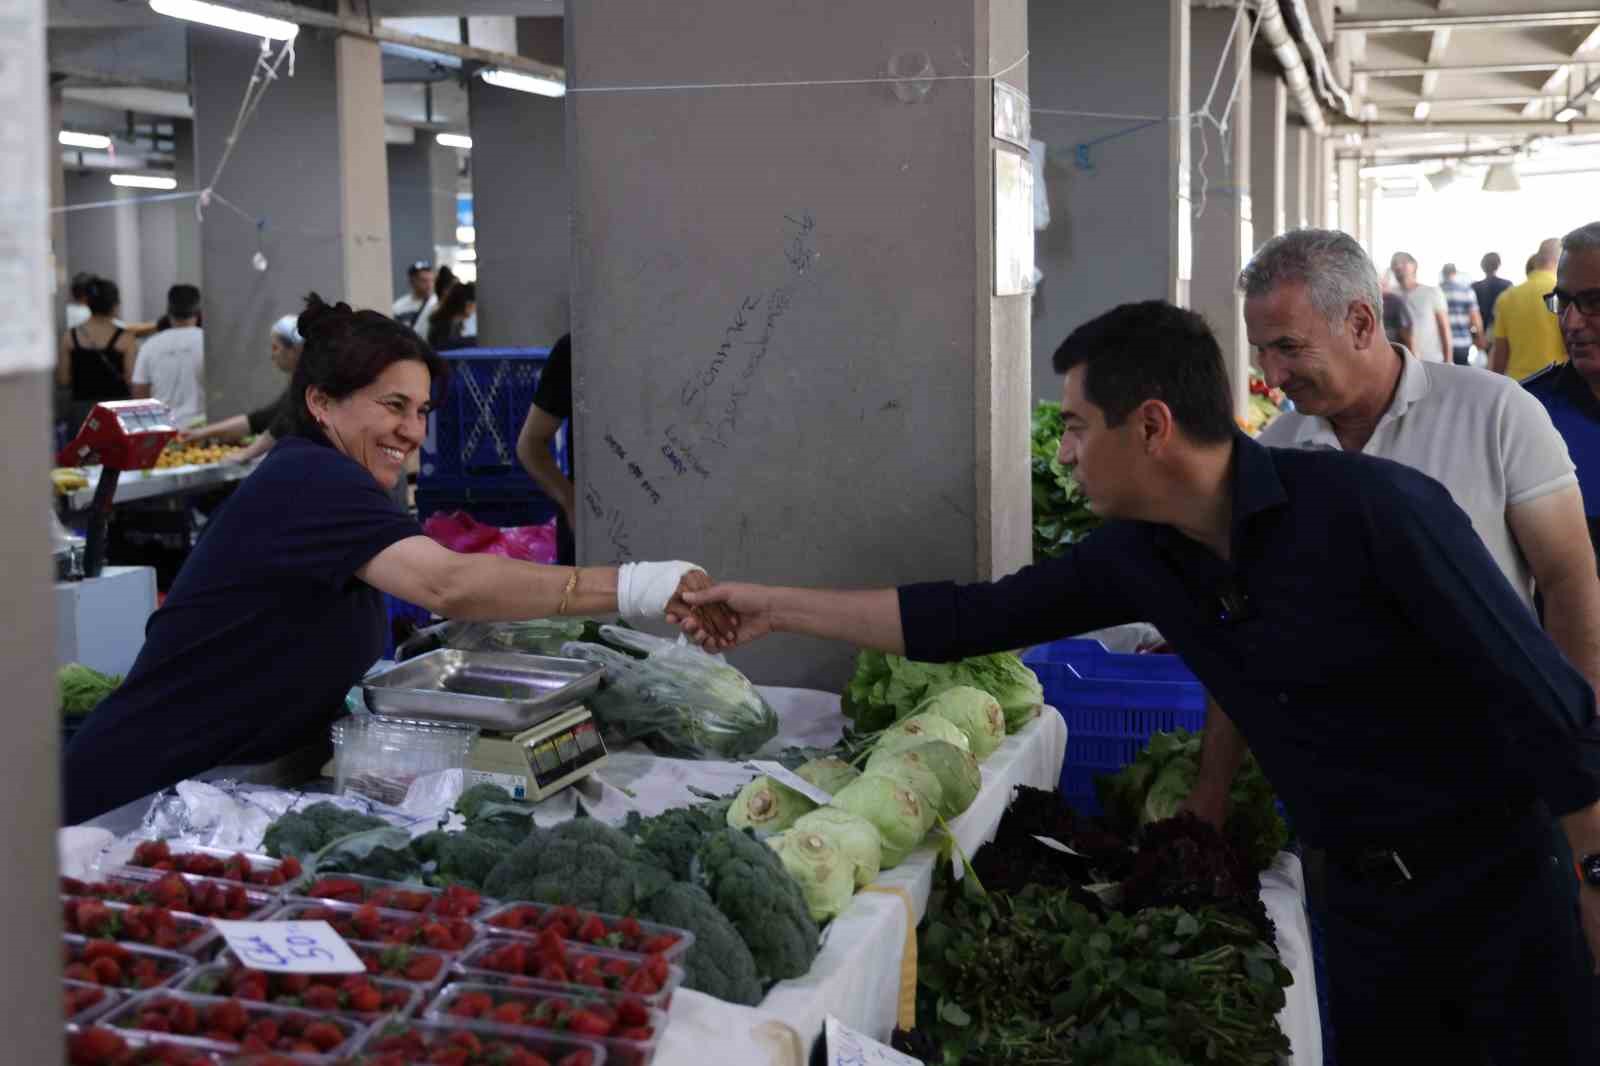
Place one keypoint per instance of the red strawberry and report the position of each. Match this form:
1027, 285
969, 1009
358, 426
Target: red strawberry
588, 1023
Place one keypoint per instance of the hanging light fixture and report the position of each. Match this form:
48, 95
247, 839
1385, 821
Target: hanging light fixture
454, 140
523, 83
1502, 177
227, 18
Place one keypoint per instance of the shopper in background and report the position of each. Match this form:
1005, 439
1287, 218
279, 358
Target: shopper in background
278, 610
1480, 435
552, 405
171, 366
1396, 315
1430, 315
442, 284
447, 327
1570, 391
77, 307
1461, 304
1527, 336
419, 276
95, 360
1488, 291
1397, 692
268, 424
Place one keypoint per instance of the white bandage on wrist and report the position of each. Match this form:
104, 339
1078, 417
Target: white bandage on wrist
645, 589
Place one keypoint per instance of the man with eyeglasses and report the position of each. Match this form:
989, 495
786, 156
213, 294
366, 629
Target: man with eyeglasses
1571, 391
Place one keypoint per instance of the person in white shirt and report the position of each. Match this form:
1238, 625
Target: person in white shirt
171, 365
442, 283
419, 276
1430, 313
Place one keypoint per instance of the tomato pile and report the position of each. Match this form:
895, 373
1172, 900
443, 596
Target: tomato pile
206, 898
99, 1046
402, 1046
546, 958
231, 1022
155, 926
155, 855
350, 993
367, 923
456, 901
105, 962
622, 934
79, 999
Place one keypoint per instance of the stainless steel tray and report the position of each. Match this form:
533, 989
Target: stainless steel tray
500, 691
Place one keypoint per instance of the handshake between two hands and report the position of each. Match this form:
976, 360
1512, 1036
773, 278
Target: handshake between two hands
719, 616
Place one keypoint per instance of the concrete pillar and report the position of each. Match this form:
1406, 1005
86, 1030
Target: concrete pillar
1125, 200
1269, 100
1297, 163
1223, 227
519, 143
29, 781
59, 270
1369, 204
1326, 180
422, 203
1349, 190
782, 294
311, 168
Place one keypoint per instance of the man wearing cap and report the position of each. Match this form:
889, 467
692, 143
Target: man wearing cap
420, 277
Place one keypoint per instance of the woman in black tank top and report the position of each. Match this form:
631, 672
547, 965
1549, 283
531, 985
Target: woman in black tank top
93, 372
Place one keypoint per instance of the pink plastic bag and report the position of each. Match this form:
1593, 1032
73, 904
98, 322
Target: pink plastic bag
461, 532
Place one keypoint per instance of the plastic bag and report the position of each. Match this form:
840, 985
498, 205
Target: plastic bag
537, 636
460, 532
677, 699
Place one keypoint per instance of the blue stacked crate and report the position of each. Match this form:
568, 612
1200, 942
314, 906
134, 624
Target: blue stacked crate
1112, 703
469, 459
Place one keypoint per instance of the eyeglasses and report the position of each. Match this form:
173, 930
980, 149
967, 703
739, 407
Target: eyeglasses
1587, 301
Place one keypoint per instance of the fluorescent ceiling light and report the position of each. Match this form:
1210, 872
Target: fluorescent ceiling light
454, 140
1420, 112
1391, 170
523, 83
1502, 177
84, 140
466, 234
1567, 114
226, 18
467, 255
143, 181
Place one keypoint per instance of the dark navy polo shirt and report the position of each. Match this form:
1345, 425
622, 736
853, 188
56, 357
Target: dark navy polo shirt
1361, 637
1576, 413
263, 633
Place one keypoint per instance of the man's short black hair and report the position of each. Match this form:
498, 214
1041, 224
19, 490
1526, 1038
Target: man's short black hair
1153, 351
183, 301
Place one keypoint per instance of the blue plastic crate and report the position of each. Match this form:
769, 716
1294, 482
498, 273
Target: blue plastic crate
489, 502
1110, 718
473, 432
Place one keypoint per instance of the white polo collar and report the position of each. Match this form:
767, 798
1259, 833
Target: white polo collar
1414, 385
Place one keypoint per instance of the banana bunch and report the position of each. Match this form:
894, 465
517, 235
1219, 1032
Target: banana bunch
68, 479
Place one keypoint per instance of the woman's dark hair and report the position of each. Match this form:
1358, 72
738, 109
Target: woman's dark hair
443, 278
102, 296
1153, 351
445, 324
345, 351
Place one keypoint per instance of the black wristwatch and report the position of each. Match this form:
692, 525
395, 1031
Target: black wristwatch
1589, 869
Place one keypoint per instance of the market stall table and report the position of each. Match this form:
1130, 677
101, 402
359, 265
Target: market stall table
172, 481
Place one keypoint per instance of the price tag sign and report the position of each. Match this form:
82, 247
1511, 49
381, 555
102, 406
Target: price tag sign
1056, 845
846, 1047
784, 776
290, 947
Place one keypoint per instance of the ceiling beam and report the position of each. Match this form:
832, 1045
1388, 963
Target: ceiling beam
1481, 20
73, 75
1555, 83
1437, 46
1505, 99
1487, 126
1420, 69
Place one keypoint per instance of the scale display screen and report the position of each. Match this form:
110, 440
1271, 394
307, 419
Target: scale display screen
152, 419
559, 754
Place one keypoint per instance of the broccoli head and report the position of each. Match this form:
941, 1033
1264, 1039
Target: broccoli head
301, 833
476, 797
673, 838
719, 964
583, 862
457, 858
748, 882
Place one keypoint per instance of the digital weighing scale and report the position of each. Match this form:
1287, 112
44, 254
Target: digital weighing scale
125, 435
536, 737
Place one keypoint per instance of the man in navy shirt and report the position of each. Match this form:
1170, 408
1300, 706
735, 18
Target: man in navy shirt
1401, 697
1570, 391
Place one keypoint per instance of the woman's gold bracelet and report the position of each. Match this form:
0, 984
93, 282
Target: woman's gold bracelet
566, 593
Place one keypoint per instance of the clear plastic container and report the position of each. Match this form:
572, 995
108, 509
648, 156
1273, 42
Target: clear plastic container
453, 902
485, 963
378, 757
364, 922
422, 968
129, 923
204, 897
262, 871
544, 1011
174, 1050
579, 926
400, 998
84, 1001
138, 967
423, 1040
290, 1024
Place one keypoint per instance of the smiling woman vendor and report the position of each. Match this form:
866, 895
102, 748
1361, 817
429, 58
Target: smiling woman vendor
277, 611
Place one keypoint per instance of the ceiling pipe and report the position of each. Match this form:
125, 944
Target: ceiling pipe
1327, 80
1276, 33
